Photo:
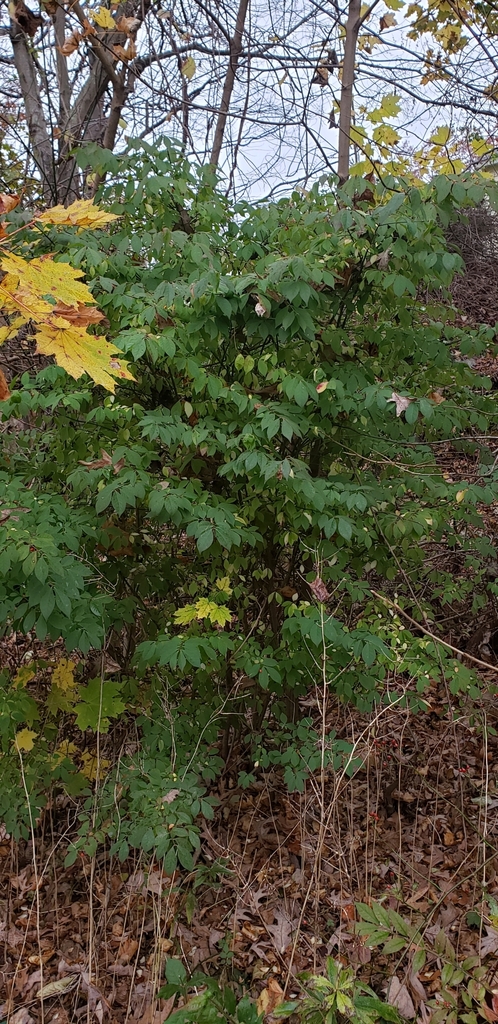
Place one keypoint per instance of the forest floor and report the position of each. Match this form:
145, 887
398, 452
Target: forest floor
416, 826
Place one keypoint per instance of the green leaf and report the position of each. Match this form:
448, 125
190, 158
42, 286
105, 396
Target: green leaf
99, 702
175, 972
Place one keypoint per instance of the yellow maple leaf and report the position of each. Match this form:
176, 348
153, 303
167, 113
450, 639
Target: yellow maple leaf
65, 749
41, 278
79, 353
25, 739
103, 18
93, 766
40, 290
82, 213
63, 675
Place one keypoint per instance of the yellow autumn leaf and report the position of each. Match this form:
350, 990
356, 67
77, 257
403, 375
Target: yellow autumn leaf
93, 766
25, 739
385, 135
63, 675
79, 353
217, 613
460, 496
103, 18
41, 290
38, 279
224, 585
65, 749
188, 68
82, 213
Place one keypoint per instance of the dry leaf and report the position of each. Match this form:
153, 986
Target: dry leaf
399, 996
271, 997
4, 387
59, 987
436, 397
127, 949
70, 44
319, 590
489, 942
29, 22
128, 25
401, 402
170, 796
79, 316
387, 21
8, 202
21, 1016
281, 932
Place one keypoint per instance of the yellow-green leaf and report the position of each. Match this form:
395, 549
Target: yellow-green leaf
188, 68
441, 135
185, 615
25, 739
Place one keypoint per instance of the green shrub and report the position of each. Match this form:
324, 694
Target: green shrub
265, 476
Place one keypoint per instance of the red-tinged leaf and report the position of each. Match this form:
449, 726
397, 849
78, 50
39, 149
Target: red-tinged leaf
322, 387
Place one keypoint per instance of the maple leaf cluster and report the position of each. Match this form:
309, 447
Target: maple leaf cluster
52, 298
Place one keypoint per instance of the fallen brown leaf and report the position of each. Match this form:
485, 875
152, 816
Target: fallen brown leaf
271, 997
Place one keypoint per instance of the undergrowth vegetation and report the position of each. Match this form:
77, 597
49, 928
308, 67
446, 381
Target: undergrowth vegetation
248, 518
219, 525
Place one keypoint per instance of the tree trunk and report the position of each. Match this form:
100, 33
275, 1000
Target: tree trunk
348, 68
235, 51
41, 142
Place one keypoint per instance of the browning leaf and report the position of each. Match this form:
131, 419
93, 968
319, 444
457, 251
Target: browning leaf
319, 590
82, 316
4, 387
128, 25
29, 22
271, 997
8, 202
387, 21
69, 45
